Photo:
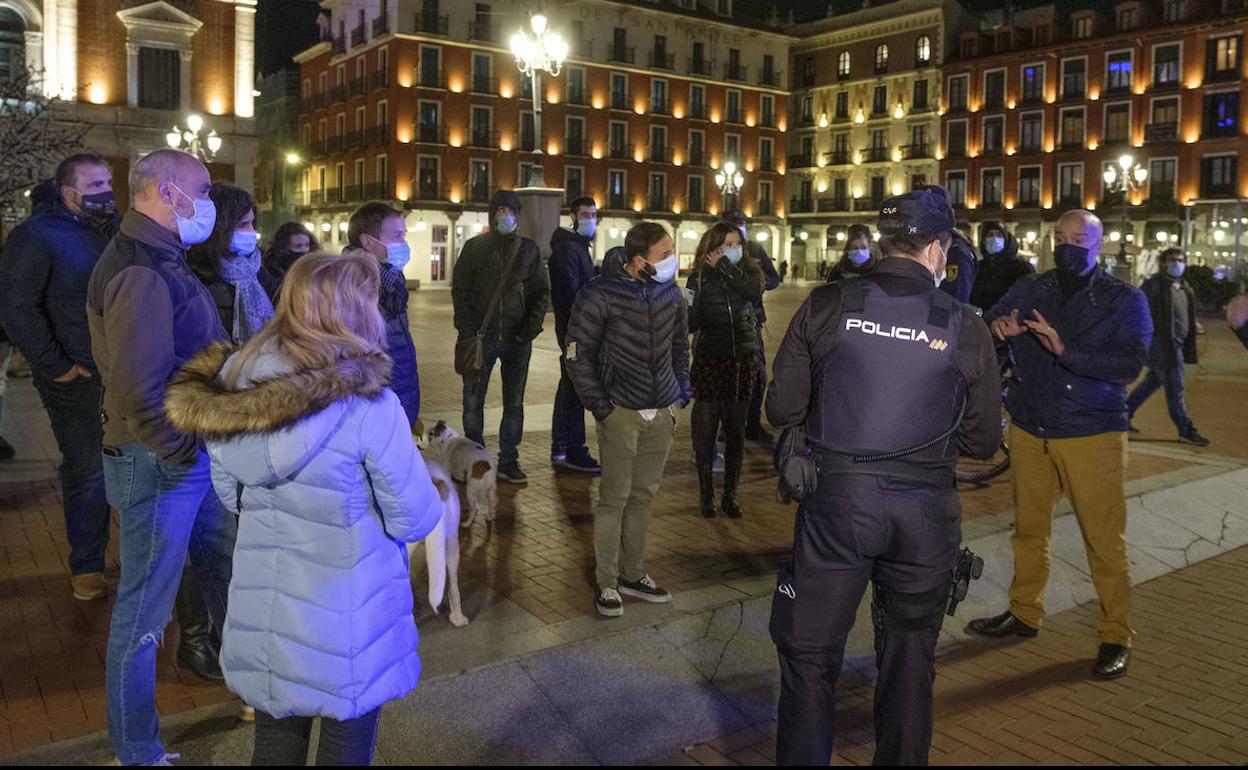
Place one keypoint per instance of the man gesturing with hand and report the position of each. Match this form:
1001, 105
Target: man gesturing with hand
1078, 337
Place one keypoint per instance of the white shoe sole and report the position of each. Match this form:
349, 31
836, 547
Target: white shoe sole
609, 613
645, 597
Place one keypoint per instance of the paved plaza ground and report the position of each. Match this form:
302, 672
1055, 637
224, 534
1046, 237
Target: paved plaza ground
536, 676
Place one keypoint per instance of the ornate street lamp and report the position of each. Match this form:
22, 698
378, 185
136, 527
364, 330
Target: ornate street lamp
543, 52
189, 141
730, 181
1130, 179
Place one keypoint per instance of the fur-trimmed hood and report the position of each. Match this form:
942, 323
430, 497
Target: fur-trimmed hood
279, 417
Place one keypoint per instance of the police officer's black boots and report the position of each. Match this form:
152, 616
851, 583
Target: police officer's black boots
728, 502
198, 648
706, 488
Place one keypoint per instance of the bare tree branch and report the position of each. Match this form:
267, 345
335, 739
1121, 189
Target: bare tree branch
33, 139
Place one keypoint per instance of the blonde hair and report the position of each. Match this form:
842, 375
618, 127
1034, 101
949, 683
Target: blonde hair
326, 311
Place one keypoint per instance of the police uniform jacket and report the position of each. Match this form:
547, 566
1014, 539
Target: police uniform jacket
889, 374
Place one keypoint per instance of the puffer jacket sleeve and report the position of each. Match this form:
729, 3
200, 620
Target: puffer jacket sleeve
407, 500
225, 485
680, 351
585, 333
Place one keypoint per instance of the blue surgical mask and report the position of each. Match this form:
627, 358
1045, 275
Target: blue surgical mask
586, 227
859, 256
505, 225
666, 270
994, 245
197, 227
243, 242
1175, 269
733, 254
398, 254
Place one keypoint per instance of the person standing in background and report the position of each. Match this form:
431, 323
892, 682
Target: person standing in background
291, 241
857, 258
999, 265
771, 279
228, 263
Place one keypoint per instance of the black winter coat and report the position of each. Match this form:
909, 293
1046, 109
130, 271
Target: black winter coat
722, 318
523, 302
628, 344
997, 273
570, 268
44, 272
1106, 328
1164, 352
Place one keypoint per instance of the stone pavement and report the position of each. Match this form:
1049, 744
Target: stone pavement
534, 654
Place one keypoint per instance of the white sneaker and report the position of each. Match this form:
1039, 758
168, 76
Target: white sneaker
718, 466
609, 604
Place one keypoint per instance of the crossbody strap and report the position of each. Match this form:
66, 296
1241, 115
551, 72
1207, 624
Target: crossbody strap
502, 283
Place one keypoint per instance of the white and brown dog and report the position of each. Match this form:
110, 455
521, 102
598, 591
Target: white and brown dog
442, 548
467, 462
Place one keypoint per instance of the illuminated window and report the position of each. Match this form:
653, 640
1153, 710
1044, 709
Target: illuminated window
923, 51
1118, 72
1074, 78
1033, 83
990, 187
1070, 184
842, 64
1029, 185
1117, 122
1083, 27
881, 58
958, 87
955, 183
1166, 65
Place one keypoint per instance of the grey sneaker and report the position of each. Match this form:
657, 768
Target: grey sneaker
646, 590
609, 604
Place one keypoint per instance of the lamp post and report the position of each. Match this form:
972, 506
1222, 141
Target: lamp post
543, 52
189, 141
1130, 178
729, 181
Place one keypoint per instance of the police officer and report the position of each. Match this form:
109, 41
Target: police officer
960, 269
891, 379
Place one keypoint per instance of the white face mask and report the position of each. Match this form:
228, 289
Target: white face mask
1175, 269
398, 254
666, 270
243, 242
944, 270
196, 228
859, 256
505, 225
586, 227
994, 245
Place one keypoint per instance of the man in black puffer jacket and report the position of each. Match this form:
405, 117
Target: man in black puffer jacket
628, 354
571, 267
999, 265
516, 321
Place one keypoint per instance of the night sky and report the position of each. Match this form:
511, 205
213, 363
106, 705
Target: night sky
283, 29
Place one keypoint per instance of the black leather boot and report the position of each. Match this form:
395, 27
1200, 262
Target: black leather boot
706, 487
198, 649
732, 474
1111, 661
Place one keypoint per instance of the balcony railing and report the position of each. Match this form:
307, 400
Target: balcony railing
1028, 203
336, 143
738, 72
1029, 148
702, 67
337, 94
659, 203
801, 160
375, 136
482, 31
358, 36
696, 205
1031, 100
320, 148
1221, 76
806, 120
767, 120
801, 205
660, 106
431, 134
766, 163
625, 54
617, 201
833, 204
1072, 144
696, 157
619, 101
379, 79
956, 152
481, 84
479, 193
877, 154
765, 208
339, 45
916, 151
659, 154
837, 157
996, 102
734, 116
868, 204
376, 191
429, 191
770, 78
353, 193
433, 79
919, 109
697, 110
990, 152
315, 197
662, 60
354, 140
482, 138
359, 86
528, 143
432, 23
575, 97
621, 151
574, 146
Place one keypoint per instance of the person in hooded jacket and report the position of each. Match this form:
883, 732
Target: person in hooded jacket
571, 267
44, 272
291, 241
228, 263
312, 450
857, 258
515, 323
379, 229
727, 284
999, 265
960, 271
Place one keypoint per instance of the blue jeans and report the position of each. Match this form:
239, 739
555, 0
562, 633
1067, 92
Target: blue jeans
514, 357
1172, 381
165, 509
74, 410
567, 429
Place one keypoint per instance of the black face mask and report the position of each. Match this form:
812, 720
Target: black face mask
100, 205
1071, 259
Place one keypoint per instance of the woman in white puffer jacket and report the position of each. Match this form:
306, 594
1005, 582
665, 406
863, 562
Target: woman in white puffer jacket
314, 453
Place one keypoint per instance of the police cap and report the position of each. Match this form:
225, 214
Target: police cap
925, 211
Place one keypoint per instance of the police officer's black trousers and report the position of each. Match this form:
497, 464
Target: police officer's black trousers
903, 537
